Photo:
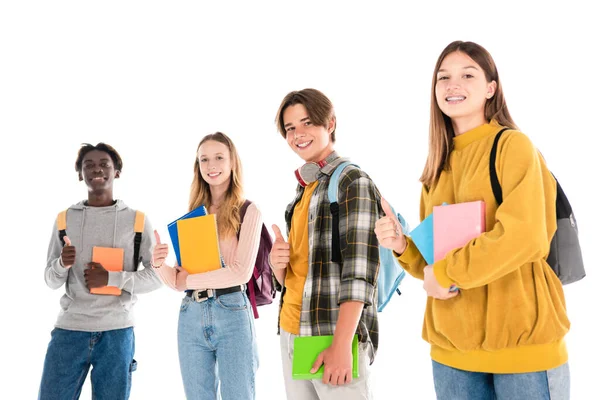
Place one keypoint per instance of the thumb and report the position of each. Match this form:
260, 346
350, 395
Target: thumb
157, 237
278, 235
387, 209
67, 241
317, 364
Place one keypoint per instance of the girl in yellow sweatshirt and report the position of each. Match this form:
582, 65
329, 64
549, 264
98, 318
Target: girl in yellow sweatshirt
500, 336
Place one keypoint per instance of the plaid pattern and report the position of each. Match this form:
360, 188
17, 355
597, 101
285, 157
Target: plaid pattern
327, 283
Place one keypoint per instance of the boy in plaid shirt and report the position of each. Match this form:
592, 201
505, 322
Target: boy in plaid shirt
319, 296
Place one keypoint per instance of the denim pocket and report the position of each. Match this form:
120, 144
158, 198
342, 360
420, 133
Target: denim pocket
185, 303
233, 301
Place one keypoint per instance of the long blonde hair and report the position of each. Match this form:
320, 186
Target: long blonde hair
440, 125
228, 219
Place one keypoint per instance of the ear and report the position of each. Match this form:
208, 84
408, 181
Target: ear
80, 176
331, 126
491, 89
117, 174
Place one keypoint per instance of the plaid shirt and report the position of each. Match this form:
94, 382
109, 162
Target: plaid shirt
328, 284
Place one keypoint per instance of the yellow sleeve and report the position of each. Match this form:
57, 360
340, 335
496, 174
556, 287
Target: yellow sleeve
411, 260
524, 222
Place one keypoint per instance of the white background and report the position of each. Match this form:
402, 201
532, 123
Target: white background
151, 78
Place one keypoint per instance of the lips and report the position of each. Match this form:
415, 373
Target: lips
303, 145
455, 99
214, 174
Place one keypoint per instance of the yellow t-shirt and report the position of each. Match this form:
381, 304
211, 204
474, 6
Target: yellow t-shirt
295, 275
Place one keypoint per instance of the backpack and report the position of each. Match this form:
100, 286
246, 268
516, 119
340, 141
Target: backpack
391, 272
260, 288
565, 257
138, 227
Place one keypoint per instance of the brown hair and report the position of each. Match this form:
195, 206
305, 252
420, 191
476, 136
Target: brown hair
228, 219
318, 106
440, 125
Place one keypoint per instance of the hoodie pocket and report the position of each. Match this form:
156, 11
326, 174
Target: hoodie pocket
65, 302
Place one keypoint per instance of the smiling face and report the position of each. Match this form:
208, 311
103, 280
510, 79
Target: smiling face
98, 171
462, 90
215, 163
311, 142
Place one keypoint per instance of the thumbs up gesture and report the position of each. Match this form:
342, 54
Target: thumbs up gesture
280, 252
160, 252
389, 230
67, 254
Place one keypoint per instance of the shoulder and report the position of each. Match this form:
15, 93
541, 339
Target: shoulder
515, 142
252, 210
355, 176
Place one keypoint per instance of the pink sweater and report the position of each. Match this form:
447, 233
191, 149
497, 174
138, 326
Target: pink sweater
239, 258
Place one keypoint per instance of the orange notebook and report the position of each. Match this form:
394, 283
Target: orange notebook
199, 244
112, 260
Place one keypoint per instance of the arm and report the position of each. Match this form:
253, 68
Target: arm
240, 271
524, 222
144, 280
55, 273
360, 249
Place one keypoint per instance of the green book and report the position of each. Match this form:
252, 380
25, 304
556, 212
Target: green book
306, 351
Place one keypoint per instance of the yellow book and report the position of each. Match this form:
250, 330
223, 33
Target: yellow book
199, 244
112, 260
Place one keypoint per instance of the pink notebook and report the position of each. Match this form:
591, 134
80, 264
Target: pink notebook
454, 225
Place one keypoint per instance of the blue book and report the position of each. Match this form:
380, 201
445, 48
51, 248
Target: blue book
172, 227
422, 236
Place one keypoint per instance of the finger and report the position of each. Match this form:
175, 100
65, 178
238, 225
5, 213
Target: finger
386, 207
157, 237
317, 364
67, 241
348, 377
278, 235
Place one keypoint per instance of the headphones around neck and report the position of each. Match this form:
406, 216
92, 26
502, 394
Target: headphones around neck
308, 173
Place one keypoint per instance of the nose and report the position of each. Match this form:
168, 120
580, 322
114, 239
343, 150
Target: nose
452, 84
298, 132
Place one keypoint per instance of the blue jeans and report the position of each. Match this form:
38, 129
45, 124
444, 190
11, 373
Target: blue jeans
455, 384
70, 355
217, 347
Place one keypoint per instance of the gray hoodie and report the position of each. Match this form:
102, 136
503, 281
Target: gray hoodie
87, 227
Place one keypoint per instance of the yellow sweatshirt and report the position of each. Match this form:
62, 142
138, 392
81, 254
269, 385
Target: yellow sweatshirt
510, 315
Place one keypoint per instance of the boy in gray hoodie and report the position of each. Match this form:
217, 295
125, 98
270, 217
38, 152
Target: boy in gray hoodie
96, 329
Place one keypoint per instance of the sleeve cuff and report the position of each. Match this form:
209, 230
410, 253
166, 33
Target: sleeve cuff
411, 253
59, 268
357, 290
115, 279
439, 270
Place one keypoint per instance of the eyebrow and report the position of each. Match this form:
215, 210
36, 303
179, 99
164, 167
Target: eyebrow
468, 67
218, 154
302, 120
102, 159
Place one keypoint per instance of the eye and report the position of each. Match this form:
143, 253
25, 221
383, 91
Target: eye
469, 76
203, 160
219, 157
307, 123
442, 77
289, 129
105, 165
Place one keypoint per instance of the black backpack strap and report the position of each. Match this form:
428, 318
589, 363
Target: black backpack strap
138, 228
496, 188
336, 252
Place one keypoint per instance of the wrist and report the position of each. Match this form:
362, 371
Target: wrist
402, 247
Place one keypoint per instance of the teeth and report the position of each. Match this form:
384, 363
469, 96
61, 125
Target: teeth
214, 174
455, 98
303, 145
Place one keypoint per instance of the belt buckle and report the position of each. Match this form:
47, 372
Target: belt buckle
198, 299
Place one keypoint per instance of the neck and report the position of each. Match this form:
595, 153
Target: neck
217, 194
465, 124
102, 199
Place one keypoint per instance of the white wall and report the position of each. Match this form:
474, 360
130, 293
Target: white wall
152, 78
